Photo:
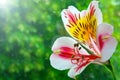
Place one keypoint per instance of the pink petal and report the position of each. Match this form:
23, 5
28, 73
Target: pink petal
63, 42
107, 43
61, 59
94, 9
60, 63
103, 31
108, 49
74, 11
70, 15
73, 71
82, 13
104, 28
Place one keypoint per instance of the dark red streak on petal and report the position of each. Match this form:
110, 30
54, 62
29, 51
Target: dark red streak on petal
101, 43
92, 10
71, 17
79, 15
68, 26
66, 52
76, 17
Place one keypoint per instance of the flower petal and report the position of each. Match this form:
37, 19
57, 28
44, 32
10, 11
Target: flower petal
60, 63
70, 17
108, 49
83, 13
107, 43
104, 31
104, 28
63, 42
73, 71
94, 9
74, 11
79, 25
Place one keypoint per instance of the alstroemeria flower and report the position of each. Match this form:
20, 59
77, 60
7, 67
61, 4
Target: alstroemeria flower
93, 40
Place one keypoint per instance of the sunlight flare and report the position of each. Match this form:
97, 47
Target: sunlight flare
3, 3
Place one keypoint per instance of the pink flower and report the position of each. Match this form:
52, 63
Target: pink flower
93, 40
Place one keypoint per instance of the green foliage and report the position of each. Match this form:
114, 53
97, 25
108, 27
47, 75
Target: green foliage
28, 29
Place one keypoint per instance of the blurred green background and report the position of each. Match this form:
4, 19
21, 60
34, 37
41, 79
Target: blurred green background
28, 29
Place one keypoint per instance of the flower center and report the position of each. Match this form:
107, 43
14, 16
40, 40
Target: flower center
78, 58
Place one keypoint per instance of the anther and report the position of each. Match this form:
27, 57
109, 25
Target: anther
76, 45
79, 48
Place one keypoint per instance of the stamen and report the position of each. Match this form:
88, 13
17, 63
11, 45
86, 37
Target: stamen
106, 37
74, 61
80, 59
89, 51
57, 51
79, 48
76, 45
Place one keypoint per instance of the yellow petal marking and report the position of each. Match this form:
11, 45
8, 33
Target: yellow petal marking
85, 27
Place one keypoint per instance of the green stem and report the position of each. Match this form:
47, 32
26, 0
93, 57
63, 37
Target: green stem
110, 67
112, 71
75, 78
